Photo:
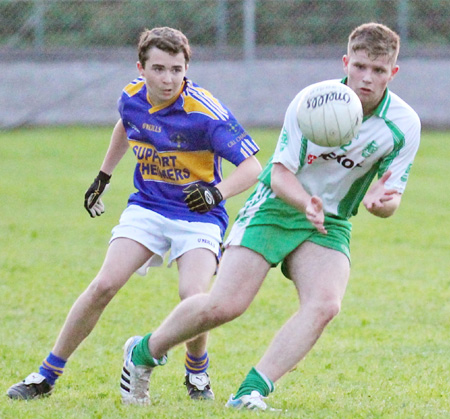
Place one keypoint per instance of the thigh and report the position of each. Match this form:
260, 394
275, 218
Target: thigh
122, 259
318, 272
239, 278
195, 246
196, 268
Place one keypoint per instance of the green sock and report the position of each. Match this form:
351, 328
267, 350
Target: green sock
141, 354
255, 380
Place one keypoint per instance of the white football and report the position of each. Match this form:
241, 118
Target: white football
329, 113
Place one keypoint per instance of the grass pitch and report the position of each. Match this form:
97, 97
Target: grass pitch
385, 356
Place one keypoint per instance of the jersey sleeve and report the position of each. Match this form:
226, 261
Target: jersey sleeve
287, 151
401, 159
231, 142
120, 106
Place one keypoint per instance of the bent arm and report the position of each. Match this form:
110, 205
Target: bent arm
289, 189
118, 146
243, 177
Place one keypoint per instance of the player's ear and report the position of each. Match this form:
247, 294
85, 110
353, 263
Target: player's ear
345, 60
140, 68
394, 71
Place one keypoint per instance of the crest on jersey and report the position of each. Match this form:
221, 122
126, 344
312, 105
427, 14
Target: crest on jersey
179, 139
370, 149
283, 140
404, 178
234, 127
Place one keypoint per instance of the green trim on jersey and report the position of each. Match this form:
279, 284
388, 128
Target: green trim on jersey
265, 176
383, 107
303, 149
399, 142
350, 203
260, 194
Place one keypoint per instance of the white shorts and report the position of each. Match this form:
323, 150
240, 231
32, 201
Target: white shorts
159, 234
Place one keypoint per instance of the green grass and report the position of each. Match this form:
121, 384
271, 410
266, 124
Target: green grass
385, 356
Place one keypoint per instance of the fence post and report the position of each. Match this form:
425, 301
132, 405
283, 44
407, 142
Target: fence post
249, 30
39, 24
221, 23
403, 20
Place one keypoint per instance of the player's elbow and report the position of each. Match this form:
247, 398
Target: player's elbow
382, 212
388, 209
277, 184
252, 169
385, 214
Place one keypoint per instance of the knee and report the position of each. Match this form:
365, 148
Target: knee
228, 312
184, 292
331, 310
325, 310
217, 313
188, 289
101, 292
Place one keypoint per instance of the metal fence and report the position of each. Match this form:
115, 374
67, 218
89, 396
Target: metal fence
233, 29
66, 61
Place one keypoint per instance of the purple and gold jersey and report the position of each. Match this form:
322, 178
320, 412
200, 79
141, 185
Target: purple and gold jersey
179, 143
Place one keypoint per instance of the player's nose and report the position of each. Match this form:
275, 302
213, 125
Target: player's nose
367, 77
166, 77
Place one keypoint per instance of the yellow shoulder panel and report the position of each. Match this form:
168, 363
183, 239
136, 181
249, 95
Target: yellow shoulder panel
193, 105
134, 87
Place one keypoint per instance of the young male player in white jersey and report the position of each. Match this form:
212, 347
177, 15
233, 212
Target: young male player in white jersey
179, 133
298, 216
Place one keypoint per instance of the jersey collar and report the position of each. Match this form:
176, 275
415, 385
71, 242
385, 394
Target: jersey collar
382, 107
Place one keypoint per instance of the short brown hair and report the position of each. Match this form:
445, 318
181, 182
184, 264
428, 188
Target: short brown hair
376, 39
166, 39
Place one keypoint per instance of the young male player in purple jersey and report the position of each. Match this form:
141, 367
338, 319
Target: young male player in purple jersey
179, 133
299, 216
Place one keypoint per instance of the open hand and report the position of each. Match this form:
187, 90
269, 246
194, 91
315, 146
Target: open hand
377, 196
315, 215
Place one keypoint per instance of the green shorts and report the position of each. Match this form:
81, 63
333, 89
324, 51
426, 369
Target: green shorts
274, 229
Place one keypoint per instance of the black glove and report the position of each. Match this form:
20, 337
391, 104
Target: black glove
202, 198
92, 201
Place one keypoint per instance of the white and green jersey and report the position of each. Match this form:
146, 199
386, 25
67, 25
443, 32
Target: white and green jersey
340, 176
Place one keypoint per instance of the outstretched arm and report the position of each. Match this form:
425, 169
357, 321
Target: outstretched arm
289, 189
118, 146
380, 201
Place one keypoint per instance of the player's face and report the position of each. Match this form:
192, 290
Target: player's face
163, 74
368, 78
